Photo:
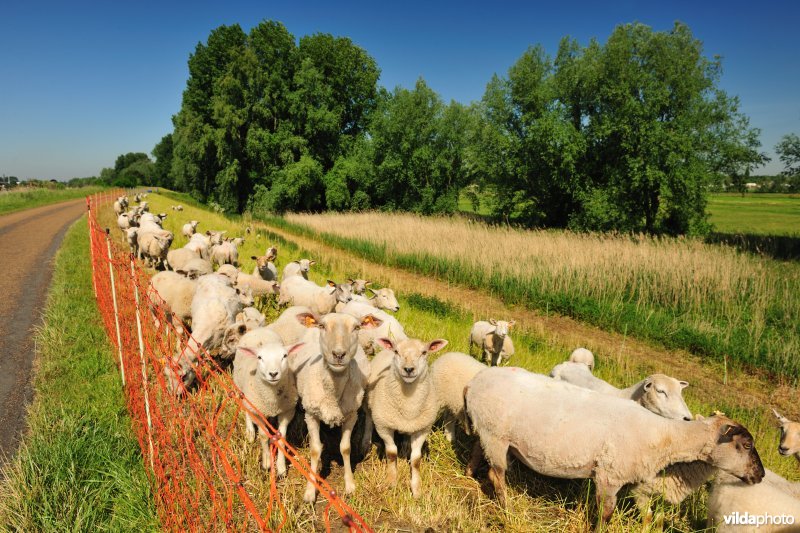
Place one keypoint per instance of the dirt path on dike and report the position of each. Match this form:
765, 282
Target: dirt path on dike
706, 377
29, 240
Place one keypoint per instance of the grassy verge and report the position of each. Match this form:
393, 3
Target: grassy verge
79, 468
451, 501
682, 293
755, 214
17, 200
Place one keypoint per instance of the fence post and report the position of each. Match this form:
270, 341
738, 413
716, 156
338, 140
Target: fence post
116, 310
144, 364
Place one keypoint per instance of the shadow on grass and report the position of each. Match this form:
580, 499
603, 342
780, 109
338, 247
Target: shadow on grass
782, 247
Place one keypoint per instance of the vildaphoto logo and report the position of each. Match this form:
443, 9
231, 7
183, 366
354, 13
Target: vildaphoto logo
747, 519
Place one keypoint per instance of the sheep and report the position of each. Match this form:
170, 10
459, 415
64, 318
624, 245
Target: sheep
177, 259
118, 207
177, 208
131, 235
263, 375
215, 236
189, 229
332, 372
238, 241
390, 327
790, 436
359, 286
259, 286
287, 326
450, 374
125, 221
381, 299
252, 318
663, 395
297, 268
230, 272
575, 433
265, 268
201, 244
194, 268
154, 245
492, 337
729, 495
176, 292
271, 253
295, 290
582, 355
225, 253
401, 397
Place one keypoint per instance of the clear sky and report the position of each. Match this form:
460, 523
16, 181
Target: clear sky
81, 82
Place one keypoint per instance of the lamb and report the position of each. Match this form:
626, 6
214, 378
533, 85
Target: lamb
131, 235
252, 318
790, 437
288, 328
225, 253
194, 268
450, 374
729, 495
492, 337
575, 433
663, 395
401, 397
297, 268
295, 290
582, 355
381, 299
201, 244
259, 286
265, 268
189, 229
270, 389
390, 327
332, 372
177, 259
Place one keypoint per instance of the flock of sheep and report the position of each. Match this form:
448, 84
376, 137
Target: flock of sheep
569, 424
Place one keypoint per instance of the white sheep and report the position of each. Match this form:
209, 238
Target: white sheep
493, 339
298, 268
729, 495
381, 299
296, 290
401, 397
450, 374
582, 355
177, 258
288, 327
332, 372
663, 395
215, 236
201, 244
154, 245
125, 221
230, 272
225, 253
131, 235
194, 268
265, 268
359, 285
189, 229
258, 286
269, 387
576, 433
175, 292
390, 327
118, 207
252, 318
790, 437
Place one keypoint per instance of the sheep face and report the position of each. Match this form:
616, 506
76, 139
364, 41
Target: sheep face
411, 356
338, 339
230, 272
273, 360
343, 291
271, 253
735, 452
663, 395
359, 286
245, 296
790, 436
230, 339
305, 265
501, 326
385, 299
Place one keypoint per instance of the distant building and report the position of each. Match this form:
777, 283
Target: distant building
751, 186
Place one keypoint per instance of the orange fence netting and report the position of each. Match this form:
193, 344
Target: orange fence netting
196, 474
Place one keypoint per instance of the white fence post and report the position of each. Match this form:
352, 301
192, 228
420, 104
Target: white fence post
116, 309
144, 363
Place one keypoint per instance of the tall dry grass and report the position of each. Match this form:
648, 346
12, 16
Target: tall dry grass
706, 298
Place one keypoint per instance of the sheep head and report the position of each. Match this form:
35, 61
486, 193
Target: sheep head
338, 337
410, 360
663, 395
790, 436
734, 450
273, 360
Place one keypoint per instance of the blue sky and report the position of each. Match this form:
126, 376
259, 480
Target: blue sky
81, 83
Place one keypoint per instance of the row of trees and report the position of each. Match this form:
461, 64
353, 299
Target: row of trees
625, 135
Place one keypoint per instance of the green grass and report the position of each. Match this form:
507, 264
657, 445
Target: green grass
23, 198
755, 214
79, 467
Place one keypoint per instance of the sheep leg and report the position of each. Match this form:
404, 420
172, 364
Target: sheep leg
496, 452
387, 435
249, 428
450, 428
283, 425
606, 499
417, 441
266, 457
475, 459
344, 449
366, 439
315, 448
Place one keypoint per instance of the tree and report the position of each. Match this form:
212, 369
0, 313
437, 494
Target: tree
788, 149
163, 165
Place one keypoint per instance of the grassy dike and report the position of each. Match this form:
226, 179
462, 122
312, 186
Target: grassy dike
79, 467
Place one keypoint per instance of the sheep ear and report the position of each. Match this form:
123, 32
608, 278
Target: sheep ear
240, 317
295, 348
367, 283
647, 384
350, 280
511, 324
782, 419
683, 384
370, 321
374, 294
436, 345
493, 321
254, 258
387, 344
331, 284
307, 319
698, 416
310, 263
245, 351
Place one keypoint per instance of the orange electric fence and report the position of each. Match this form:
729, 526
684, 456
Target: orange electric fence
196, 474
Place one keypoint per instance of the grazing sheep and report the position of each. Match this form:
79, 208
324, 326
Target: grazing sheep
493, 339
225, 253
582, 355
189, 229
332, 372
575, 433
450, 374
265, 268
194, 268
215, 236
176, 292
177, 208
390, 327
287, 326
381, 299
658, 393
131, 235
270, 389
177, 259
201, 244
729, 495
259, 286
790, 437
401, 397
297, 268
296, 290
252, 318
